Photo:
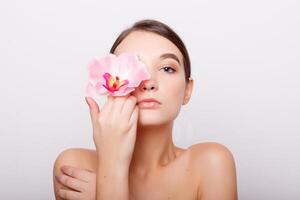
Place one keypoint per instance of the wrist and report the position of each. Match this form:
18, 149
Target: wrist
112, 166
113, 161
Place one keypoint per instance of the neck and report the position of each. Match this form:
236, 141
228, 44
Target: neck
154, 148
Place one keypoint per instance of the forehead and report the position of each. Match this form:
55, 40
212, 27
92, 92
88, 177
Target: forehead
147, 45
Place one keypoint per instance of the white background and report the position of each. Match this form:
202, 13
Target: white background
245, 63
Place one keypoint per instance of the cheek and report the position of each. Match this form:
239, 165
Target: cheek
174, 91
173, 96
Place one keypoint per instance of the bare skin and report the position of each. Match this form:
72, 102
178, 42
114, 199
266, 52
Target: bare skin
157, 169
183, 178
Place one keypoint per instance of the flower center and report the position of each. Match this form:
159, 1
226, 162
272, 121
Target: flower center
113, 84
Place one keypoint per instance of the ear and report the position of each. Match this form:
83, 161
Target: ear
188, 91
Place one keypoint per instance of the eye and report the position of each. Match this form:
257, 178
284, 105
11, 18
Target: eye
168, 69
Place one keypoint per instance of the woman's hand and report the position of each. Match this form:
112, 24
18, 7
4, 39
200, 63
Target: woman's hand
81, 182
114, 129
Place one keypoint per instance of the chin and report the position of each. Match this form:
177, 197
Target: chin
151, 118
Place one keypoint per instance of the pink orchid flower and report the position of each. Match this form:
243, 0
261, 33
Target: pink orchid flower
115, 75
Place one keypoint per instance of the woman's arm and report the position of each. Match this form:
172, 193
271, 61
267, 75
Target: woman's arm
65, 157
112, 182
112, 179
114, 135
71, 180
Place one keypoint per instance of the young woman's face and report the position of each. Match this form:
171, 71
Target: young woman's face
167, 84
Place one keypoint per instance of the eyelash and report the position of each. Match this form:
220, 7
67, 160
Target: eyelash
169, 68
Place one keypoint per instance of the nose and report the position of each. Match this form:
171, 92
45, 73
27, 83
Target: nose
148, 85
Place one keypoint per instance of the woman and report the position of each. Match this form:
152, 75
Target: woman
135, 157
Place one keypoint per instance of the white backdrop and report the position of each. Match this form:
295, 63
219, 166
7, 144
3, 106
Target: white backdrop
245, 63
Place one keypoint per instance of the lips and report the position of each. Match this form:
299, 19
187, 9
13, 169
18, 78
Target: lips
149, 103
149, 100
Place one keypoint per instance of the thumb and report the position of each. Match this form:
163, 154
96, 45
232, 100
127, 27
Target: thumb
94, 108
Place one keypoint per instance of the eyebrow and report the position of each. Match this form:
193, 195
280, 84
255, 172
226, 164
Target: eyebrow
169, 55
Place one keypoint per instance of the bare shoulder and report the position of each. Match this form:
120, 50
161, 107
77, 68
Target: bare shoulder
76, 157
215, 168
211, 151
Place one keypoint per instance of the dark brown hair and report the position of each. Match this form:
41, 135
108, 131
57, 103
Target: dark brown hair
163, 30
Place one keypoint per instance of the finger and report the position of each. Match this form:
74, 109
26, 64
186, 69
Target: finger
134, 116
118, 106
107, 107
128, 107
94, 108
69, 195
82, 174
71, 182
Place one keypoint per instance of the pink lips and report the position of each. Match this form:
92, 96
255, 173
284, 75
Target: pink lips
148, 103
